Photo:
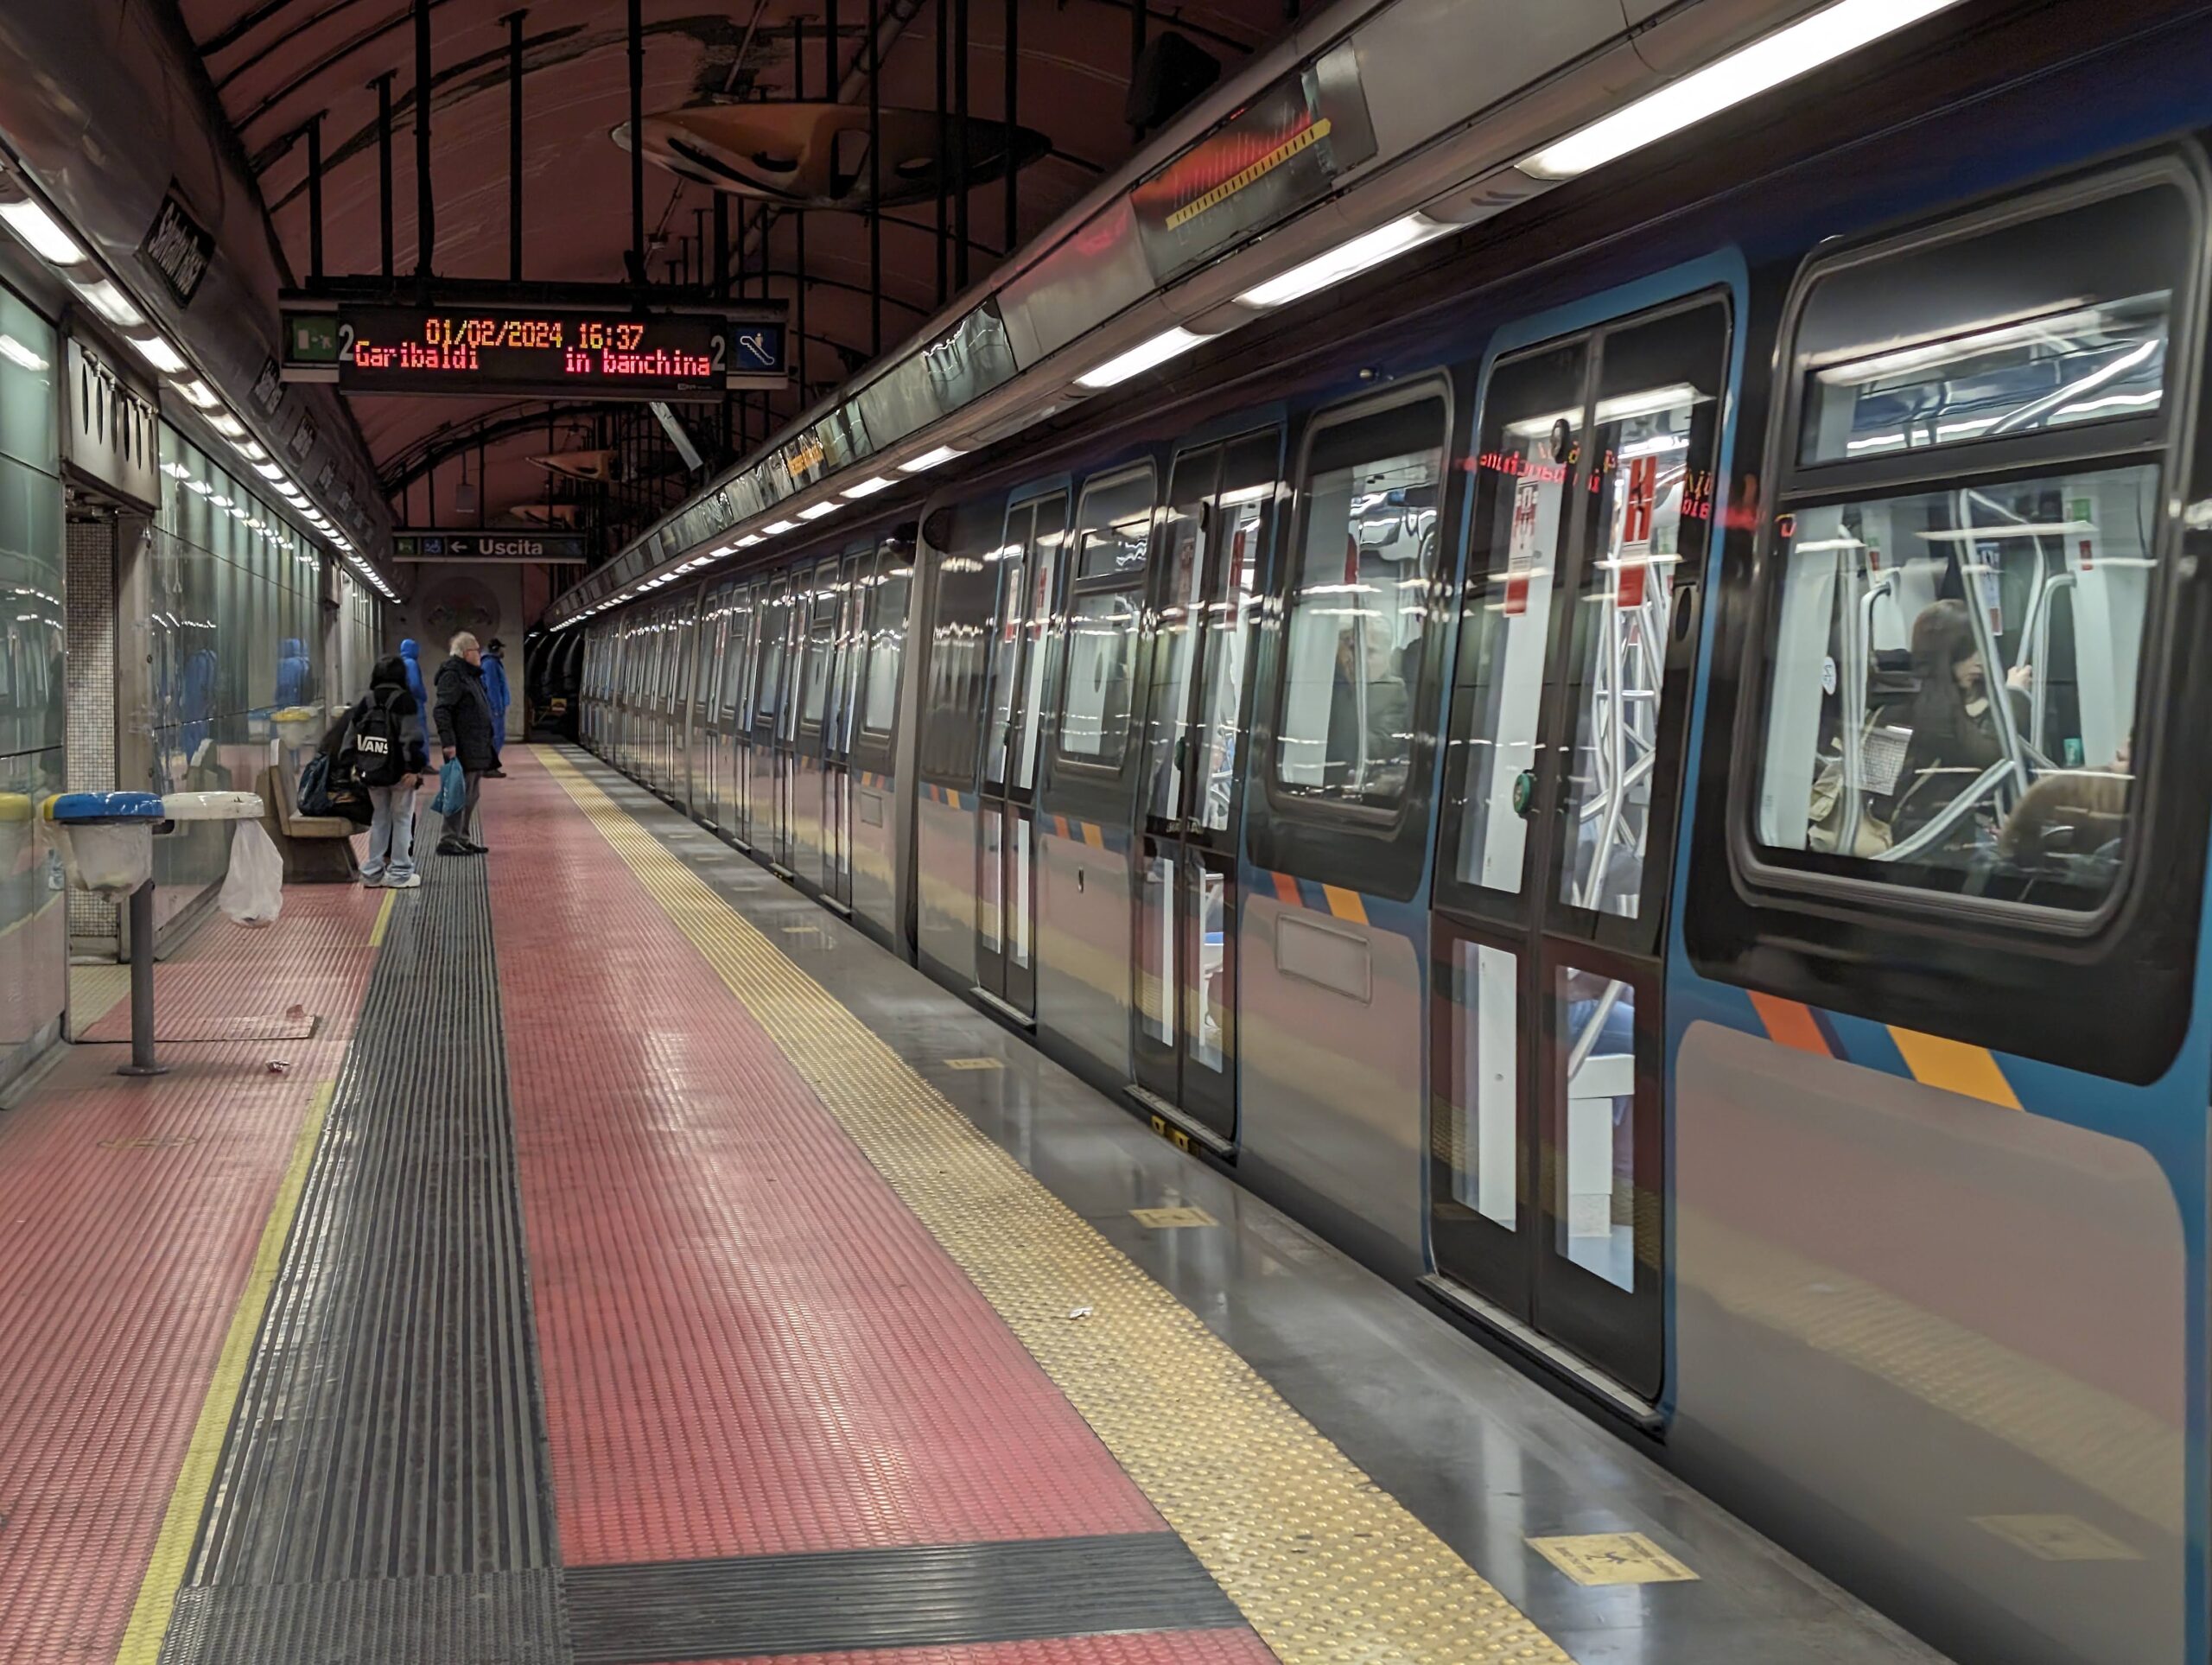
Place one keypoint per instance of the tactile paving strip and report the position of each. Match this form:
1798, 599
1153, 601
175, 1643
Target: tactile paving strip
387, 1435
1325, 1566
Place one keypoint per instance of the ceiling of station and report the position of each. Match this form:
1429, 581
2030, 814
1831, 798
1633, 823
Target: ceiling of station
279, 66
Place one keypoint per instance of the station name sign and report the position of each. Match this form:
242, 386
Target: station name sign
554, 351
473, 545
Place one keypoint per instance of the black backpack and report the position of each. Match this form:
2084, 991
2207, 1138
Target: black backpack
326, 790
375, 753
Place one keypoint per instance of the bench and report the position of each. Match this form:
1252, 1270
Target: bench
318, 849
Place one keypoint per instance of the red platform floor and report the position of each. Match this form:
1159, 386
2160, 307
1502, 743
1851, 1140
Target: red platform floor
749, 1343
130, 1214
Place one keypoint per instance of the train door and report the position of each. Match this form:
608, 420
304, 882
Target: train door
761, 774
1547, 1135
708, 767
837, 732
695, 623
807, 789
1184, 1001
1006, 844
730, 695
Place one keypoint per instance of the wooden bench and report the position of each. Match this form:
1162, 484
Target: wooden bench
318, 849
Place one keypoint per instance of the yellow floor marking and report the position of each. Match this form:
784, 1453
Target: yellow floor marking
974, 1063
2056, 1537
149, 1615
1612, 1557
1326, 1566
383, 919
95, 991
1170, 1219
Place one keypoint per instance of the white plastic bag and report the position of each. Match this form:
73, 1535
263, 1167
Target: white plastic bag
113, 858
253, 893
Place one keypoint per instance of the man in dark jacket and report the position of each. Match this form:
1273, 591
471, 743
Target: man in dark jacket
463, 713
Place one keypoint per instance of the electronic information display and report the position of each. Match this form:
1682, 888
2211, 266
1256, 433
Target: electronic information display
481, 349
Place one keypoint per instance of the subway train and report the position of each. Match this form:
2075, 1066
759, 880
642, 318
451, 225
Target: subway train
1638, 770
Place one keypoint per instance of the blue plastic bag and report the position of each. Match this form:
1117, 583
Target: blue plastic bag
453, 789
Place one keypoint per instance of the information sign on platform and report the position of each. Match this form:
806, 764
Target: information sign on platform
553, 352
472, 544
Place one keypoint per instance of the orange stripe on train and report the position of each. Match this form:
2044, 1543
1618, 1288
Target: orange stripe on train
1789, 1024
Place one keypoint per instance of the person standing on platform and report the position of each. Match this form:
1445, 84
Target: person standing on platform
495, 684
411, 653
463, 713
385, 748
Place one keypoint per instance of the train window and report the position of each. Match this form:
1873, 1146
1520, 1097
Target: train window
952, 703
887, 638
768, 690
1359, 604
1183, 554
736, 649
1529, 458
821, 641
1239, 538
1010, 560
1954, 663
1650, 454
1044, 564
1113, 541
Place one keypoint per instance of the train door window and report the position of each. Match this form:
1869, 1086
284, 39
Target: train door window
1359, 604
768, 690
1173, 629
1528, 465
823, 601
952, 701
1239, 540
1010, 628
1105, 611
1649, 461
736, 648
1967, 573
1050, 535
887, 637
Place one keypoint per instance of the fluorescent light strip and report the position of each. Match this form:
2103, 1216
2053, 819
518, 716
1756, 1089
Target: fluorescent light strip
1742, 75
225, 424
749, 540
815, 511
931, 458
1346, 260
869, 487
777, 528
107, 300
1138, 359
41, 232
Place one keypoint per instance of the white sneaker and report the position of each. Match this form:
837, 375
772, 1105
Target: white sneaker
372, 880
412, 881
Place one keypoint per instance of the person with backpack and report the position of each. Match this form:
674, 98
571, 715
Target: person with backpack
386, 751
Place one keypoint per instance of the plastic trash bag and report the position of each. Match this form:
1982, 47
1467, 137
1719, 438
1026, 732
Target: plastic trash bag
253, 893
453, 789
112, 860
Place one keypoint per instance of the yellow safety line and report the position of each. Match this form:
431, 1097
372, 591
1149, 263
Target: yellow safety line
149, 1615
383, 919
95, 991
1324, 1564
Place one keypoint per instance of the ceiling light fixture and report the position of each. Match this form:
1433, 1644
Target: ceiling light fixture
1139, 358
1743, 74
1346, 260
41, 232
869, 487
815, 511
105, 299
931, 458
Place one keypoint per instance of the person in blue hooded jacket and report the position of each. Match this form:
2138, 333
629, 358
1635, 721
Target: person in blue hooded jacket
408, 651
292, 673
495, 687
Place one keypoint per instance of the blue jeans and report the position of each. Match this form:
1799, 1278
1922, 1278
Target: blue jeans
391, 834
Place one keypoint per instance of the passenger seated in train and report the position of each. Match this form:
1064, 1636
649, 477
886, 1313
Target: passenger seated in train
1370, 742
1954, 737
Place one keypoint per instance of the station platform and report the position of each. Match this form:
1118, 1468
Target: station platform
603, 1254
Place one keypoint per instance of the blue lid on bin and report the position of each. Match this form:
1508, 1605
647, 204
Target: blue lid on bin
105, 806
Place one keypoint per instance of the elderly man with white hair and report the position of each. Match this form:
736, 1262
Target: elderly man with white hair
462, 710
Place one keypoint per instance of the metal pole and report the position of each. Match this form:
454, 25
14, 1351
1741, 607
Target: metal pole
961, 202
720, 281
1012, 240
383, 160
943, 142
638, 137
876, 176
1136, 51
314, 195
142, 986
830, 50
426, 218
798, 217
514, 145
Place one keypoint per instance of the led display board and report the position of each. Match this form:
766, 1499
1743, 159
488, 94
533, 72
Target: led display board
467, 348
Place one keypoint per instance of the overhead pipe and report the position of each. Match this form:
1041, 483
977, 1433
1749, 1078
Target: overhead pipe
638, 142
876, 180
426, 222
514, 145
961, 197
384, 164
315, 196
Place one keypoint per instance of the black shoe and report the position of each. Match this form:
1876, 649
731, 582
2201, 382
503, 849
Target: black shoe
454, 847
472, 848
495, 774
